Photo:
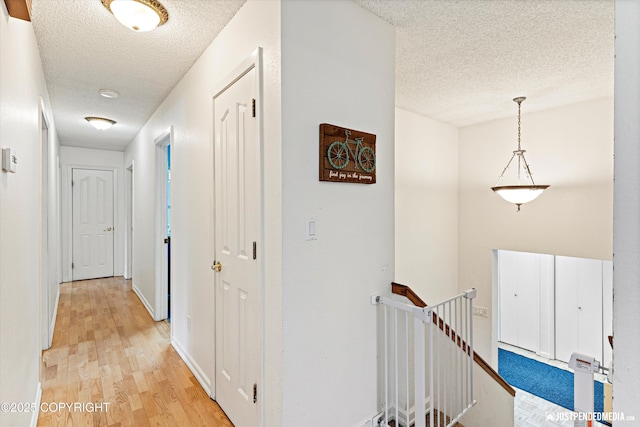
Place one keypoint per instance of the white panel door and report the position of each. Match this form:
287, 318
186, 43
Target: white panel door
237, 234
607, 310
519, 284
578, 307
566, 307
92, 224
590, 307
508, 290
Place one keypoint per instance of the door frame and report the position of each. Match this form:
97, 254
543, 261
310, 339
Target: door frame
68, 215
128, 221
161, 308
253, 61
47, 243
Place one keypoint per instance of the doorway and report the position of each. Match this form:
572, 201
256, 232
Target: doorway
238, 233
163, 225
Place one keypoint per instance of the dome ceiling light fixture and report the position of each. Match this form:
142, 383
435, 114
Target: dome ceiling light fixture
138, 15
100, 123
519, 193
108, 93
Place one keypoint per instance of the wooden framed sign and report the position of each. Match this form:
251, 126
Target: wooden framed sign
347, 155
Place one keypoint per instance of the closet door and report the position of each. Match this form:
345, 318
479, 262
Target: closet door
519, 282
578, 307
607, 310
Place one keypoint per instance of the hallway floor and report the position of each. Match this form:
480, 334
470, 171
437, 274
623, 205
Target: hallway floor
533, 411
106, 348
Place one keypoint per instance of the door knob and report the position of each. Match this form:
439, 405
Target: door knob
107, 229
216, 266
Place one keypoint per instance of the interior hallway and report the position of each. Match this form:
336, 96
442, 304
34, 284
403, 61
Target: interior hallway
106, 348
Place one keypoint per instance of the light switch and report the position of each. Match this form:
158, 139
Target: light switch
9, 160
311, 232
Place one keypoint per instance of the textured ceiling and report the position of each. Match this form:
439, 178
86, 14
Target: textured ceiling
457, 61
83, 49
463, 61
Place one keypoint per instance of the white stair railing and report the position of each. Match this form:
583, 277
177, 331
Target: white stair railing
428, 361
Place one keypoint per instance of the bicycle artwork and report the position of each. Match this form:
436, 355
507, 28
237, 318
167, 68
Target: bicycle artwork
347, 155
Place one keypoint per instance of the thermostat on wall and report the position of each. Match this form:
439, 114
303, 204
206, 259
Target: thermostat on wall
9, 160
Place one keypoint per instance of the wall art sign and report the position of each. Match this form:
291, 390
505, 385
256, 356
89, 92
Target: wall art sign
347, 155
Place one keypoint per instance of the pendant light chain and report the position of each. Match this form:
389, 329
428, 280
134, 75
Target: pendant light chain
520, 152
519, 105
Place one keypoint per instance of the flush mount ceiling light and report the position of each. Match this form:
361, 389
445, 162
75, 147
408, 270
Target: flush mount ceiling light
100, 123
525, 190
108, 93
138, 15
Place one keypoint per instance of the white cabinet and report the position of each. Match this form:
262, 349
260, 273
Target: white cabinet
525, 288
579, 307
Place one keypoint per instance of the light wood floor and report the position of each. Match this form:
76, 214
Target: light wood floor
106, 348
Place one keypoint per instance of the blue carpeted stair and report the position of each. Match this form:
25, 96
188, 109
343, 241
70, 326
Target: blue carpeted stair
545, 381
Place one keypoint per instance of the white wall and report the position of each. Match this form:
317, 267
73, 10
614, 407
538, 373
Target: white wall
426, 206
570, 148
73, 157
626, 293
337, 68
189, 109
21, 84
494, 405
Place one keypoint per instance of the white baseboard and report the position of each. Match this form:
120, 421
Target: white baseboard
371, 421
34, 415
143, 300
545, 355
202, 378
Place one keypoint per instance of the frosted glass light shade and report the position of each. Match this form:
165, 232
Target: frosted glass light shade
519, 194
137, 15
100, 123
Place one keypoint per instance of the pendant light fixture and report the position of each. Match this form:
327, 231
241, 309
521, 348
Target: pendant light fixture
138, 15
100, 123
525, 189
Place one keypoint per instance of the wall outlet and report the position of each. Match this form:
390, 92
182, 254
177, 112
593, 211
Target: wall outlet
480, 311
188, 322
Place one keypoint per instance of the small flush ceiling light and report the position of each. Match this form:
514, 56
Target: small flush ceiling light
100, 123
138, 15
525, 189
108, 93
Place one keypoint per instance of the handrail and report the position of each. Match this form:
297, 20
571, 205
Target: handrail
407, 292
